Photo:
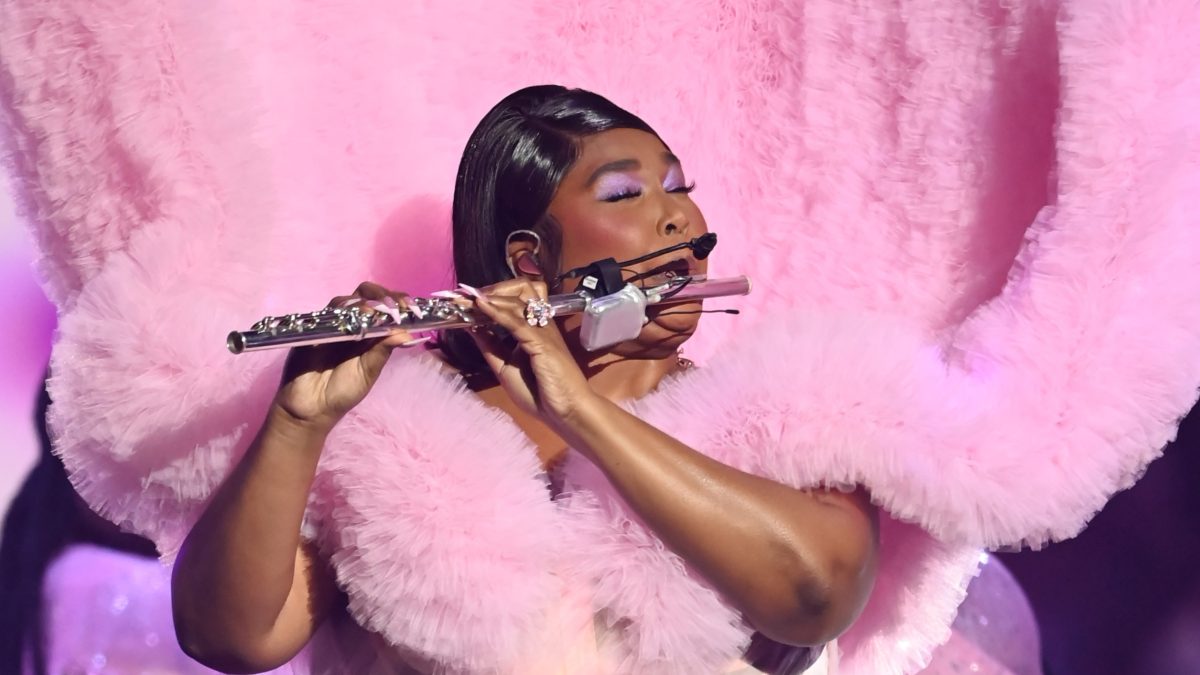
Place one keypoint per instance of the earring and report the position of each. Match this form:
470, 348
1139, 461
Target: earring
534, 269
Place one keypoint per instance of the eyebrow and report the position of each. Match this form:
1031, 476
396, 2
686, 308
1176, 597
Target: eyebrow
625, 165
611, 167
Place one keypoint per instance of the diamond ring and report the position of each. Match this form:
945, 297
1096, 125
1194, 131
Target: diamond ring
538, 312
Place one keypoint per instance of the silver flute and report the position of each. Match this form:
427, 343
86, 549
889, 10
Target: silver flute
345, 324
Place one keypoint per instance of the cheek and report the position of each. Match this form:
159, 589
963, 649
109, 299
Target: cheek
696, 217
594, 236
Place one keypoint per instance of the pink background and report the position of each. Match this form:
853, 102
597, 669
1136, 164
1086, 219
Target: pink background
29, 326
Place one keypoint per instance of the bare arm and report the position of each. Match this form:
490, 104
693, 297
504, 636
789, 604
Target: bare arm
799, 565
247, 595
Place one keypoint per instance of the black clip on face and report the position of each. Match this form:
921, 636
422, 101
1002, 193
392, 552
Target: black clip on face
602, 278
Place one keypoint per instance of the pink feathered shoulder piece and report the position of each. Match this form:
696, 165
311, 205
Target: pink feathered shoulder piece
970, 224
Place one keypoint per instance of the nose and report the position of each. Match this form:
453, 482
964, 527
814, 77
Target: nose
673, 222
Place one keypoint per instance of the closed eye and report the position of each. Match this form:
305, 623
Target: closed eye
631, 193
624, 194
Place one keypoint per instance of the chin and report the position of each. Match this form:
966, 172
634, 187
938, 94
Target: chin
635, 349
660, 339
670, 320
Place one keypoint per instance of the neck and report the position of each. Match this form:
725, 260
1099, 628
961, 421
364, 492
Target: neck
616, 377
623, 378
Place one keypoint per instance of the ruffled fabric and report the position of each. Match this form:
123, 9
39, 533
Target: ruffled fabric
441, 528
437, 518
106, 134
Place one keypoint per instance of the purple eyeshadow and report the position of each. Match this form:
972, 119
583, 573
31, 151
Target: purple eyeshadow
674, 179
613, 185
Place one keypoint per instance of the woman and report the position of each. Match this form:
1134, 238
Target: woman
550, 180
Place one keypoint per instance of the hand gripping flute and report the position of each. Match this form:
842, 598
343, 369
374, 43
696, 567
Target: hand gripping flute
608, 319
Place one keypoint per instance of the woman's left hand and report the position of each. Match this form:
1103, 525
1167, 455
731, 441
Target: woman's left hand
539, 373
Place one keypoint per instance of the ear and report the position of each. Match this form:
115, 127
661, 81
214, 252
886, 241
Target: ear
522, 255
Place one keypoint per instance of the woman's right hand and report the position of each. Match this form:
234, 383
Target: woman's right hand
321, 383
247, 593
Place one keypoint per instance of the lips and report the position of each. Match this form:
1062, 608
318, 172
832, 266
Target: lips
658, 274
677, 267
682, 266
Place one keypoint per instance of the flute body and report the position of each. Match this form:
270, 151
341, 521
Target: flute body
343, 324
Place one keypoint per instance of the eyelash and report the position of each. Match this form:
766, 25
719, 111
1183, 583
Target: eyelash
685, 190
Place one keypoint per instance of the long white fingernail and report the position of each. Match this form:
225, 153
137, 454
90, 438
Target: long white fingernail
471, 290
416, 341
349, 301
382, 308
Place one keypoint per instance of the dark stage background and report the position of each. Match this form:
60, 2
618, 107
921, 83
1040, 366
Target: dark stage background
1123, 598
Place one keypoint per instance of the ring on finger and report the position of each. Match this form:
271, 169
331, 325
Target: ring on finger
538, 312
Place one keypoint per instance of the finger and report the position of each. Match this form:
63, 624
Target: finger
363, 305
386, 302
506, 287
375, 358
385, 306
379, 351
397, 299
404, 339
509, 313
520, 286
371, 291
495, 353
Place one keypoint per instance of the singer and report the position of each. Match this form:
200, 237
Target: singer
981, 307
551, 180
